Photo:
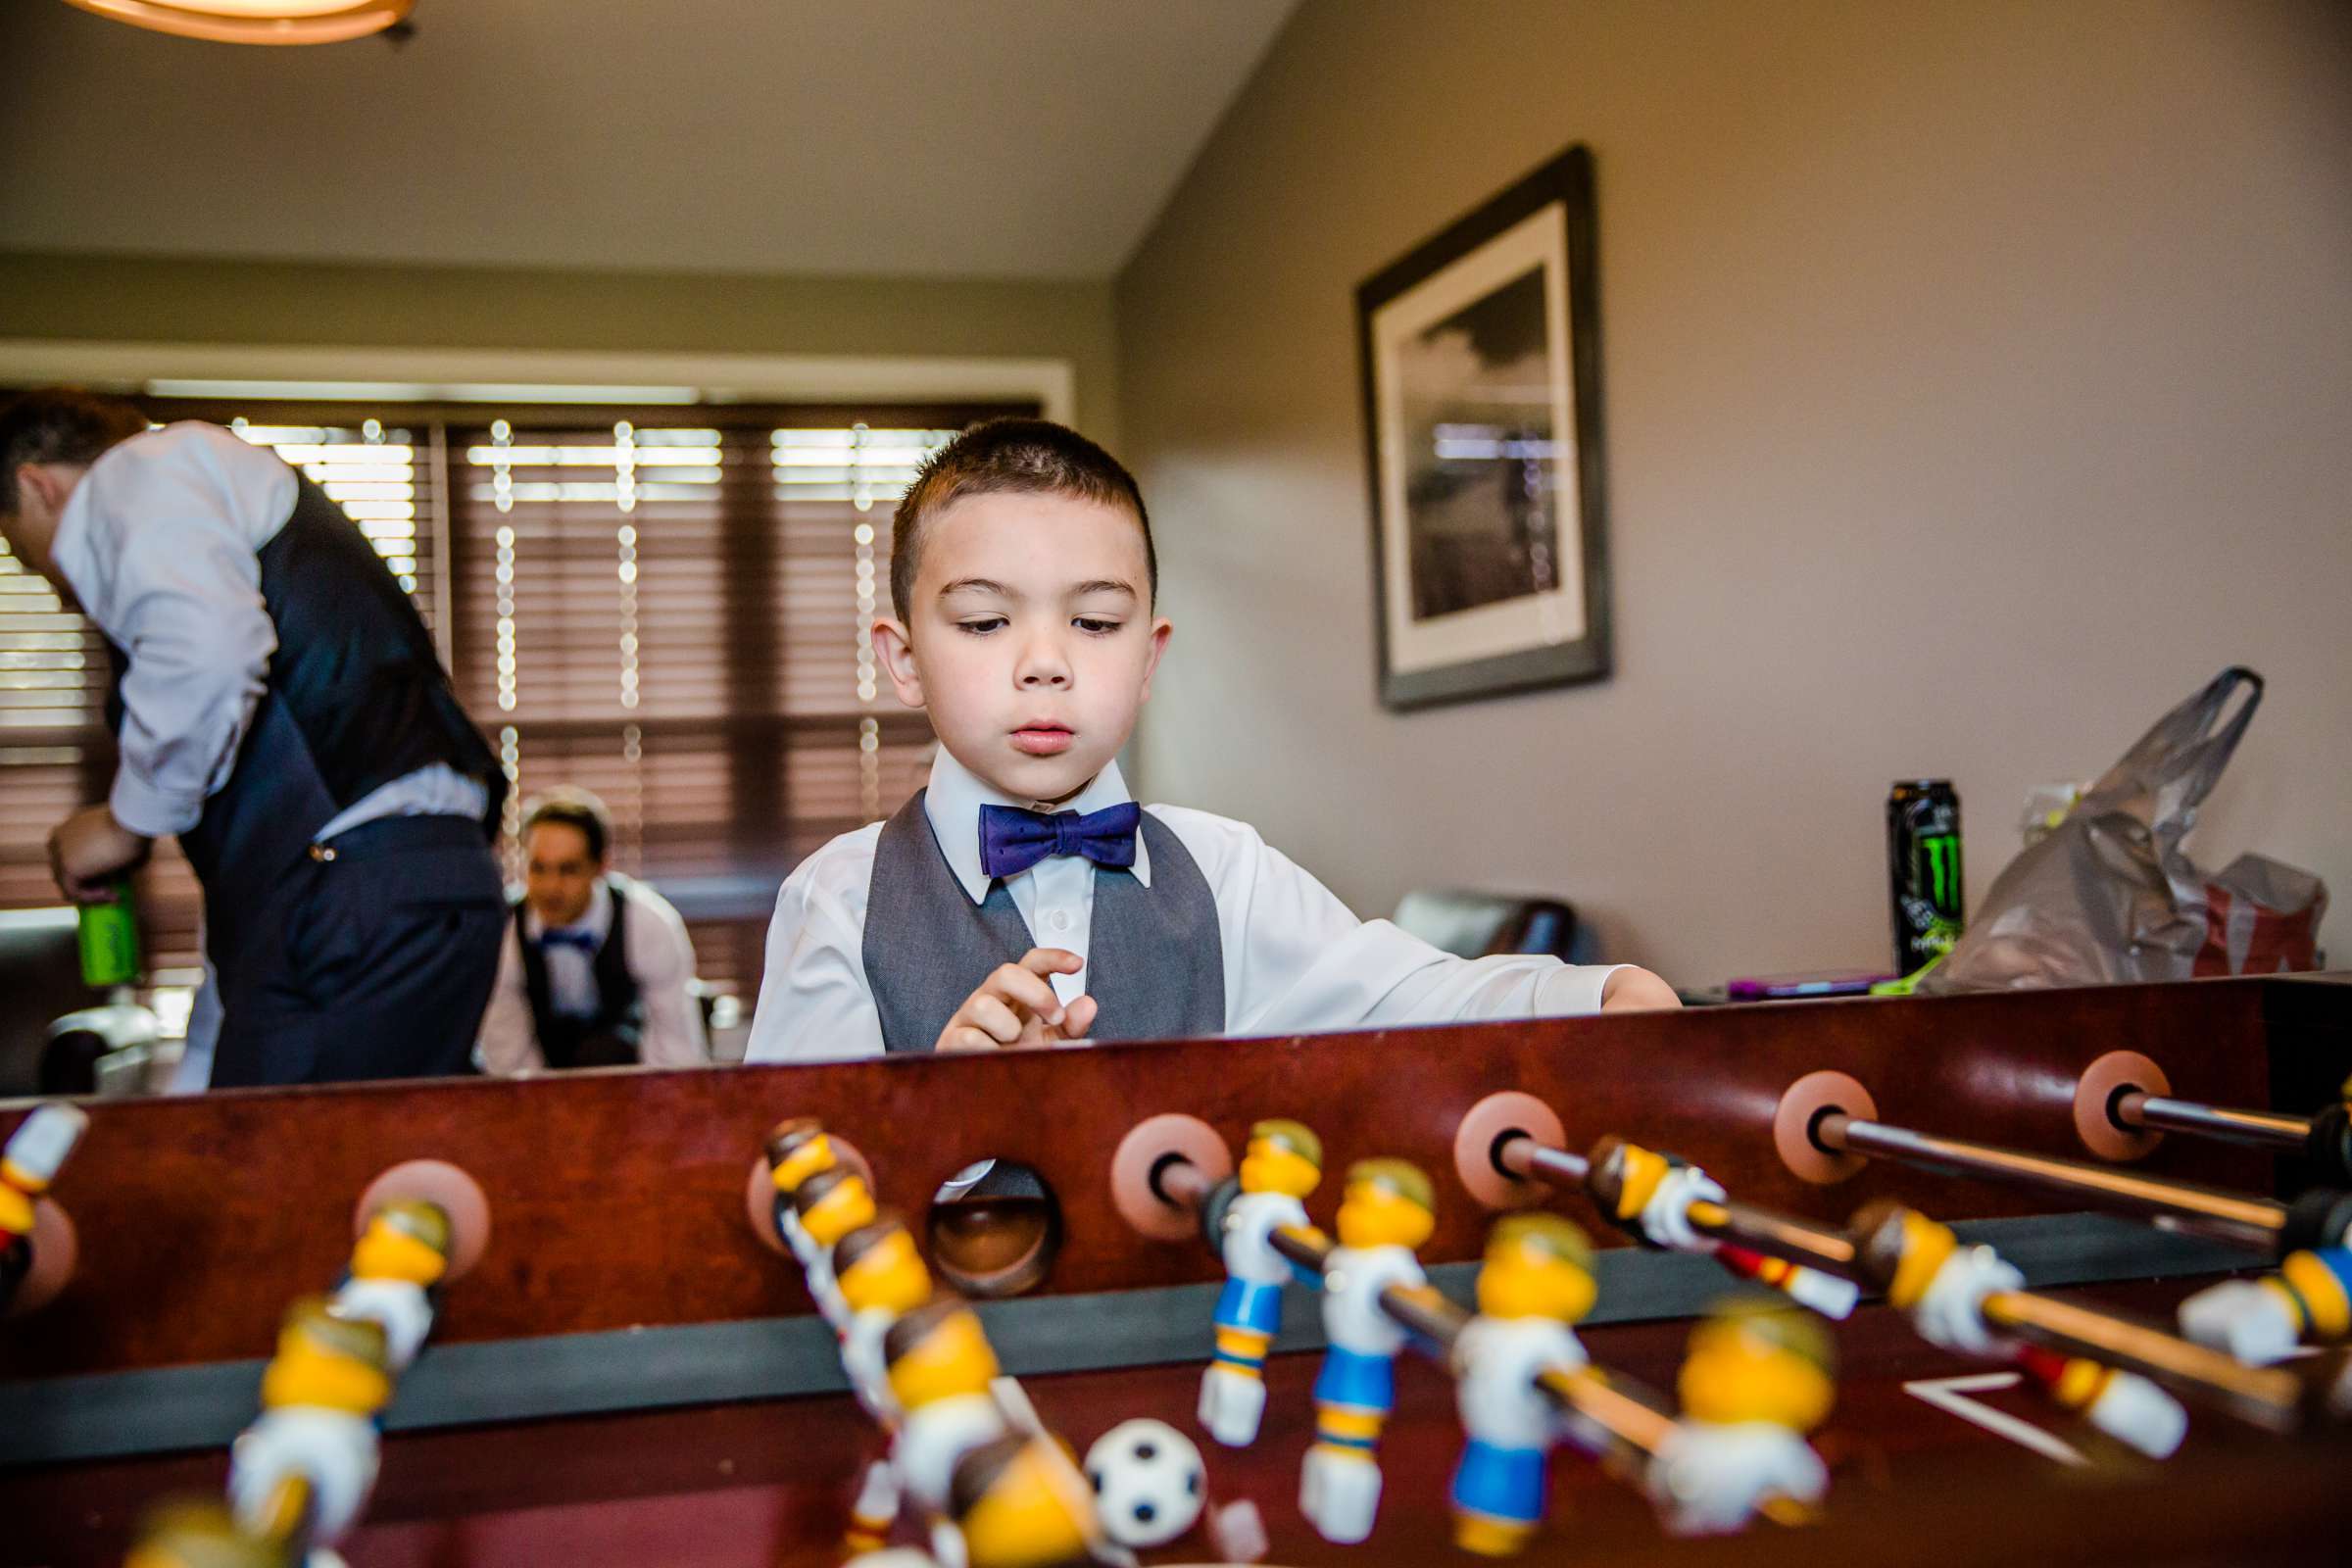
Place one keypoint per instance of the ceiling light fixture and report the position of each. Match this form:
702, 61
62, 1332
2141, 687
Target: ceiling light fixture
276, 22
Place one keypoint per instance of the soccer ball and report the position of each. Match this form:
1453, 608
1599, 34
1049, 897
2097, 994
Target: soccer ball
1149, 1483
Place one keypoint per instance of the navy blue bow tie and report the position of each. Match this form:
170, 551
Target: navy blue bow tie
1013, 839
569, 937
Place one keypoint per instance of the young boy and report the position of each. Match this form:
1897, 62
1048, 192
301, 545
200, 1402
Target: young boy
1023, 898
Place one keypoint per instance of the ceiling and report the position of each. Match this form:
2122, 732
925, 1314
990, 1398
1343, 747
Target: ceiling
965, 138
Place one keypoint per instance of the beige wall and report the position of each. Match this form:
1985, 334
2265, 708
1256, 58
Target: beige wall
127, 299
1978, 382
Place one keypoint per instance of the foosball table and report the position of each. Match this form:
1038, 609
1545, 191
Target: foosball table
1979, 1279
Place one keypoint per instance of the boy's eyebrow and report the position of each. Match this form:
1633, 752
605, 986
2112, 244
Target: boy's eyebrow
976, 585
1104, 585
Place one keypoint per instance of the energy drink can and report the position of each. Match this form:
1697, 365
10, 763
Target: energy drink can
1923, 867
109, 940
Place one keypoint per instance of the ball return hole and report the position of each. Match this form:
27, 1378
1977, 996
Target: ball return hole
994, 1230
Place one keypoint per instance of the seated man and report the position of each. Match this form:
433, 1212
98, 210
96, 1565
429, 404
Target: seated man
595, 968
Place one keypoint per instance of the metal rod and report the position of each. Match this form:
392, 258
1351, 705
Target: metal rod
1180, 1184
1792, 1241
2268, 1129
2270, 1398
1523, 1156
2234, 1217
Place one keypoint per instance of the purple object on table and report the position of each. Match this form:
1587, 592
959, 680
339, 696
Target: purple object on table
1814, 983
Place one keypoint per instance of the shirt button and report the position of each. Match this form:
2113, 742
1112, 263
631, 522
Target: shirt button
1060, 920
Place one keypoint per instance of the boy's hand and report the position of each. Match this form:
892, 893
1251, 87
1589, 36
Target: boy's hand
1016, 1007
1632, 990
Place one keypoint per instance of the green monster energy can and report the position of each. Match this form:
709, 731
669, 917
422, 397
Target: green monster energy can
109, 940
1923, 865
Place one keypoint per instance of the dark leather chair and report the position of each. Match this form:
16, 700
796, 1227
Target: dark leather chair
1477, 925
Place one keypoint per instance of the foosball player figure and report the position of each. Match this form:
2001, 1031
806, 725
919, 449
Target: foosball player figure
940, 1368
29, 1163
881, 1276
797, 1150
1757, 1379
1387, 1209
396, 1267
1018, 1502
203, 1535
302, 1471
1648, 1195
828, 1206
1282, 1163
2264, 1320
1537, 1279
1943, 1286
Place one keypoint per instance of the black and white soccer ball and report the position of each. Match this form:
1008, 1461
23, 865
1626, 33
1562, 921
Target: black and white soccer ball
1149, 1483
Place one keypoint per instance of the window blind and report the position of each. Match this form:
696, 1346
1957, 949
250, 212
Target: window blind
663, 604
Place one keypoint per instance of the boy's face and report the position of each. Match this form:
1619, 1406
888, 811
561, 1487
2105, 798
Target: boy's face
1029, 639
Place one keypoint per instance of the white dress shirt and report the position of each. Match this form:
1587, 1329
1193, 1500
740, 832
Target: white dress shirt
161, 542
660, 959
1297, 961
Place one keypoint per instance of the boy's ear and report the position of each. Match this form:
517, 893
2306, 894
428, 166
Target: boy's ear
895, 651
1161, 629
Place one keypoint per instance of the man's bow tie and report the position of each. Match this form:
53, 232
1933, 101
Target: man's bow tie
1013, 839
568, 937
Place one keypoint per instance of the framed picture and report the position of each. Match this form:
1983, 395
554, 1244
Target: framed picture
1481, 357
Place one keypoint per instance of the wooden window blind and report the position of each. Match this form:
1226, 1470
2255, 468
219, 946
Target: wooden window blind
56, 753
663, 604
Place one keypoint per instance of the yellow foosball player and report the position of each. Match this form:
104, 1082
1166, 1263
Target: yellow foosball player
1387, 1210
882, 1278
30, 1161
203, 1535
1280, 1165
1758, 1378
1535, 1281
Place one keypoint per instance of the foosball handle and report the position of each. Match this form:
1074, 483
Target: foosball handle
447, 1188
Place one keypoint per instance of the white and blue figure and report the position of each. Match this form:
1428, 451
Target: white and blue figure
1387, 1210
2264, 1320
1535, 1280
1282, 1163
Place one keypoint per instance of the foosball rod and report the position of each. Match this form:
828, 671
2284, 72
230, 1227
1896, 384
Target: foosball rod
1611, 1422
2261, 1224
2274, 1399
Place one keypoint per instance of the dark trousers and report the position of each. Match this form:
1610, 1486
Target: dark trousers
373, 957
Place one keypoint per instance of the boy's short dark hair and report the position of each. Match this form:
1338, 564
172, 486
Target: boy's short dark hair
59, 424
1024, 456
574, 809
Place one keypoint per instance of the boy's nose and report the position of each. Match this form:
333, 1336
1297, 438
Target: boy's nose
1042, 666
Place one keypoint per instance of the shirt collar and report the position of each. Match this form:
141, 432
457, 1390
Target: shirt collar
953, 804
598, 921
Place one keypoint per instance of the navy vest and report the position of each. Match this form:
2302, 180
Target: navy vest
1154, 962
355, 698
610, 1037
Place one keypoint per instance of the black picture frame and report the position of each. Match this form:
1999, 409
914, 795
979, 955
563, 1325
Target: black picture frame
1489, 545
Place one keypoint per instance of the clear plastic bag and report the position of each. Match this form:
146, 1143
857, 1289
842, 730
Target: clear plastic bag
2109, 893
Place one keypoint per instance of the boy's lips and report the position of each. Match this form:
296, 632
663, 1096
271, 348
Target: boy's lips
1044, 738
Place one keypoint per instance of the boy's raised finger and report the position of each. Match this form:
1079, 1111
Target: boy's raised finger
1024, 988
1051, 960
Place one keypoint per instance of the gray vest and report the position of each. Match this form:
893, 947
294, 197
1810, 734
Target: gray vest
1154, 962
